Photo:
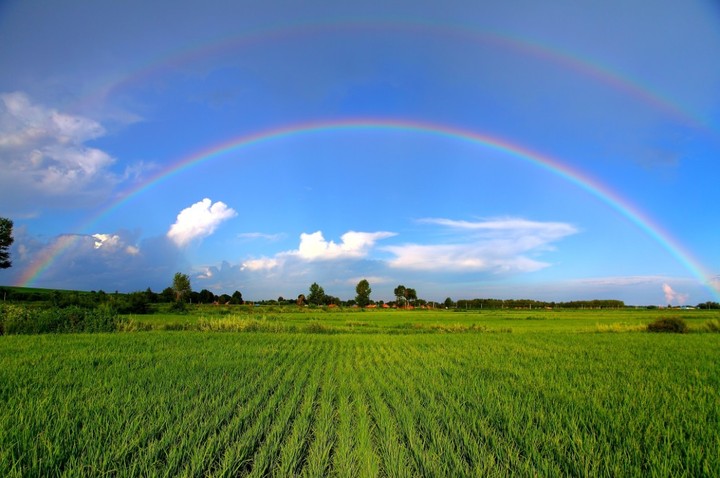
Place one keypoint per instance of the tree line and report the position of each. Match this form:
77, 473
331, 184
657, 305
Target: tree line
180, 293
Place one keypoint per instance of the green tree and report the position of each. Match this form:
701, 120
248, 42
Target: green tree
449, 303
206, 297
237, 298
181, 286
167, 295
410, 295
363, 291
399, 292
317, 294
6, 240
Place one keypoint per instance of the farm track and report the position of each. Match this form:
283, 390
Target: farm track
190, 404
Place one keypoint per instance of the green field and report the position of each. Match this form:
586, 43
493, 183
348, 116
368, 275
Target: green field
383, 393
294, 319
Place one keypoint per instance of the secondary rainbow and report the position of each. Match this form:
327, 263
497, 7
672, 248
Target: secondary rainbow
511, 42
515, 150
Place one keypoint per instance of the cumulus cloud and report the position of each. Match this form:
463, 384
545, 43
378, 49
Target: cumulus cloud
353, 245
499, 245
335, 264
314, 247
198, 221
673, 296
44, 156
113, 243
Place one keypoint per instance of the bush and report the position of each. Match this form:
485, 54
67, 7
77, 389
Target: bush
17, 319
179, 307
713, 326
101, 319
674, 325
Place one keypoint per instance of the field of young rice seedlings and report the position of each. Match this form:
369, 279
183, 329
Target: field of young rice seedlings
301, 404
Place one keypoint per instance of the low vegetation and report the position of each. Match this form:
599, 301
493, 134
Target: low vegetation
285, 390
668, 324
430, 404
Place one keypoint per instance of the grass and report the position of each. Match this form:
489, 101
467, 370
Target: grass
552, 398
294, 319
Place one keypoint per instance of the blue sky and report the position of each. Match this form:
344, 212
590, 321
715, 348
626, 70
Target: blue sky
101, 101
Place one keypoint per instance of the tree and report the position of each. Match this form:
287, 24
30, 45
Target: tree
237, 298
181, 286
6, 240
317, 294
399, 292
449, 303
167, 295
206, 297
363, 293
410, 295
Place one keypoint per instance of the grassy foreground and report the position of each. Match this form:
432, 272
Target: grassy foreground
546, 402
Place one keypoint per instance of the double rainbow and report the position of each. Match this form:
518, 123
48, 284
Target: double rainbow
552, 165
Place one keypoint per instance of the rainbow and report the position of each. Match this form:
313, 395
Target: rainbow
520, 152
531, 48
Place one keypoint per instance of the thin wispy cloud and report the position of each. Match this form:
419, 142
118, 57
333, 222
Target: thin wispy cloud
499, 246
261, 235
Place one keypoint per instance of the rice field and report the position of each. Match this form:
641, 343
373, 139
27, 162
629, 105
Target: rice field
185, 403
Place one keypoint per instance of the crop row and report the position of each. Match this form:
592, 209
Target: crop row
193, 404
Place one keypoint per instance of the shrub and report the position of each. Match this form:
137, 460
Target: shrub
17, 319
131, 325
102, 319
179, 307
25, 320
713, 326
669, 324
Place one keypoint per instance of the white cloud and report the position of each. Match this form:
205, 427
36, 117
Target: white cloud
313, 247
44, 156
673, 296
353, 245
509, 226
499, 245
114, 243
260, 235
198, 221
260, 264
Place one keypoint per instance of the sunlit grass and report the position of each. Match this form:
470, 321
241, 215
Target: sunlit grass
190, 403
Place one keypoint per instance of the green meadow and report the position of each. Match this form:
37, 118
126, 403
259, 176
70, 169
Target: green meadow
310, 392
